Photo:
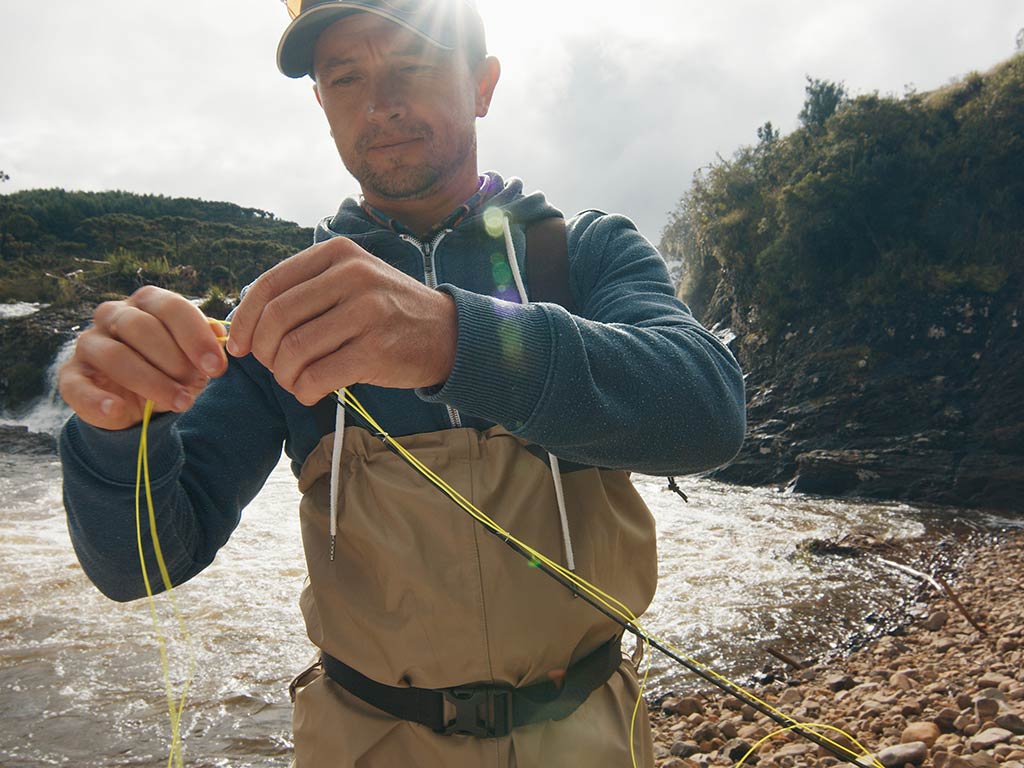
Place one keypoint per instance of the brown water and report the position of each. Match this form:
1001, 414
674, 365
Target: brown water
80, 680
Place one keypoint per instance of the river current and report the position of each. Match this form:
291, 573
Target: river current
80, 676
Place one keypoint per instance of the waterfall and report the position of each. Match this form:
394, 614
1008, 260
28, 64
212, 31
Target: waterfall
49, 412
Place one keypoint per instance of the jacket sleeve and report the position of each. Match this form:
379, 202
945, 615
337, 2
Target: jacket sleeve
633, 382
205, 466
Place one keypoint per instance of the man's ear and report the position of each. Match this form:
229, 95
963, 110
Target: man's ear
487, 74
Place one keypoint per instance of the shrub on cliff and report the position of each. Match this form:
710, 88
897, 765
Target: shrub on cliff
873, 201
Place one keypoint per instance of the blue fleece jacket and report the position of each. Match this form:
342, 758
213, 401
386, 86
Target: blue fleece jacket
632, 381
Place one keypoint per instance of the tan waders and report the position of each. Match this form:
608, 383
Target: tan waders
421, 596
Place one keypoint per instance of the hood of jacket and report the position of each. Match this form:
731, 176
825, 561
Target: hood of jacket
522, 209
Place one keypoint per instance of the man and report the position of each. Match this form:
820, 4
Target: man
440, 647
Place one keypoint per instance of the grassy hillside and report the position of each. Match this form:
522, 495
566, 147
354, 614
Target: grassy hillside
65, 247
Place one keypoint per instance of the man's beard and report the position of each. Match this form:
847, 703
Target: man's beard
411, 181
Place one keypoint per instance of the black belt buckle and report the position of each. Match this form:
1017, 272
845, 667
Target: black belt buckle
483, 712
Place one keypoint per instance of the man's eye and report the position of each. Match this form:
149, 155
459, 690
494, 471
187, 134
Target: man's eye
415, 68
345, 80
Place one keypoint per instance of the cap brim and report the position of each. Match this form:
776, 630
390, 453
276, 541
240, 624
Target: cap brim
295, 51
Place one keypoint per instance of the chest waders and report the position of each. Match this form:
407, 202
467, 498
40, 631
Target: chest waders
439, 646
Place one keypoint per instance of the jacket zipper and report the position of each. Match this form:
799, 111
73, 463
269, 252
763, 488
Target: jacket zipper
430, 279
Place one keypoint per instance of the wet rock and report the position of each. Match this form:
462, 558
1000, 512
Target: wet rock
797, 749
840, 682
963, 722
1008, 644
683, 748
1012, 722
992, 680
705, 732
949, 741
670, 705
902, 681
899, 755
18, 440
920, 731
689, 705
987, 708
989, 738
945, 719
735, 749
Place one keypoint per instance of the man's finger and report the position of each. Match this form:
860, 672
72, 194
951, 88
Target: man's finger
316, 339
93, 404
130, 371
289, 312
298, 269
348, 365
148, 336
186, 325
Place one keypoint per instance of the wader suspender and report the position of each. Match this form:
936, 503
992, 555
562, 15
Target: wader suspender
547, 263
491, 711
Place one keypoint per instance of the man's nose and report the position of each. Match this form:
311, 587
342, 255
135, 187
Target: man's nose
385, 101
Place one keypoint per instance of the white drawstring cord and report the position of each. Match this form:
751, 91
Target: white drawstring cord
339, 438
513, 262
556, 474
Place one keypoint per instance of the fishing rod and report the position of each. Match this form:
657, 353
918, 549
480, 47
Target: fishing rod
788, 723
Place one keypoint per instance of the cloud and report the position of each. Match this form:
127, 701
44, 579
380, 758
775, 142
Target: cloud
601, 104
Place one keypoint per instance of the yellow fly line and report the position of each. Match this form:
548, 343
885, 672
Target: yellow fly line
175, 705
598, 597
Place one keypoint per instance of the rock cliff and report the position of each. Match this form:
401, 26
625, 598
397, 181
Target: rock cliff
916, 402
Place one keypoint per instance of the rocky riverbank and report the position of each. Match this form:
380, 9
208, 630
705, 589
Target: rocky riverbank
937, 693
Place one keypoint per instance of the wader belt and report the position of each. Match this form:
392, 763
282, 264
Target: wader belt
483, 710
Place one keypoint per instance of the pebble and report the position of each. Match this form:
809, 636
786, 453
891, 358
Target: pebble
937, 695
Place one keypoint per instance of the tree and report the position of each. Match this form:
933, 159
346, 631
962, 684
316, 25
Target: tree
4, 176
822, 100
1020, 39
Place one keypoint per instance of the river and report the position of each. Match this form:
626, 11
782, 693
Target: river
80, 677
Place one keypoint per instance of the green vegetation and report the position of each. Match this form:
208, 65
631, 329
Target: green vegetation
873, 201
64, 247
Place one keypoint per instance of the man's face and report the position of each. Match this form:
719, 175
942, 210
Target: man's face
402, 111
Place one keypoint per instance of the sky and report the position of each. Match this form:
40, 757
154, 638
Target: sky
601, 104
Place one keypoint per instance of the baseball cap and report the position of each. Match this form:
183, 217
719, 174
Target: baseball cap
448, 24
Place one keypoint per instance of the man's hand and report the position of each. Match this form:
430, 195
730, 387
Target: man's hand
155, 346
335, 315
